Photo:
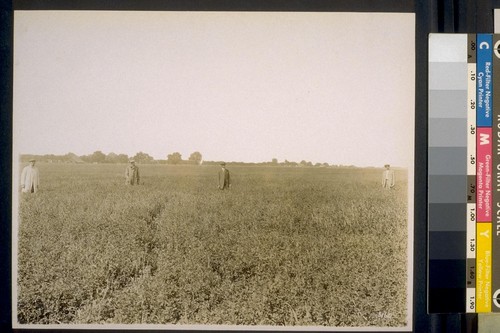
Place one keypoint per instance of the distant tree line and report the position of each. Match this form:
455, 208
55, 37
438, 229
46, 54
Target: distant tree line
196, 158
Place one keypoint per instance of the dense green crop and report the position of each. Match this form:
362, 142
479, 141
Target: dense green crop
283, 246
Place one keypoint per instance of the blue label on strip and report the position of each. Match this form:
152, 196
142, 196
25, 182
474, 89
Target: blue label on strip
484, 72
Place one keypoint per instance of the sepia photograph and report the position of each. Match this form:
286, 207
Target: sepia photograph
215, 170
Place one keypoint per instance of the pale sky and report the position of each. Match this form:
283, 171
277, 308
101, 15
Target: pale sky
320, 87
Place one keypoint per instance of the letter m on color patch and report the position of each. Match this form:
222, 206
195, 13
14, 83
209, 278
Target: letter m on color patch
484, 139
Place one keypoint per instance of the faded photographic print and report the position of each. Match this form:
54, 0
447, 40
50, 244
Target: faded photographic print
213, 170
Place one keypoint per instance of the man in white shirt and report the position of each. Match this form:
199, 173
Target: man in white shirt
224, 177
388, 180
30, 178
132, 174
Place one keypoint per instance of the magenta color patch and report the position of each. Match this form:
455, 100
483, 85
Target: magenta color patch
483, 170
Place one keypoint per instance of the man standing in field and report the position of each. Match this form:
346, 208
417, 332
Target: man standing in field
132, 174
388, 180
224, 177
30, 178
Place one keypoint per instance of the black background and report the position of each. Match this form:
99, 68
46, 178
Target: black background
459, 16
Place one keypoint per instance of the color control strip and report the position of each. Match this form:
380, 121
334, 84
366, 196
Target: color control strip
447, 173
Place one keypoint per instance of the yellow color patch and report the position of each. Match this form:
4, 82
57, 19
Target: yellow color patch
483, 267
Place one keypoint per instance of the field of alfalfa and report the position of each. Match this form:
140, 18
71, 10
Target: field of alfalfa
284, 246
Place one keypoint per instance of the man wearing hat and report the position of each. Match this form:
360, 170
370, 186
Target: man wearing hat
388, 180
30, 178
132, 174
224, 178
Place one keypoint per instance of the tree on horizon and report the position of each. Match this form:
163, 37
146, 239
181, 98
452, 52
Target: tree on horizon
142, 157
196, 157
174, 158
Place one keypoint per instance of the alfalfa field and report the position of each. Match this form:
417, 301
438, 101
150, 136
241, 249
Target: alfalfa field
285, 246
